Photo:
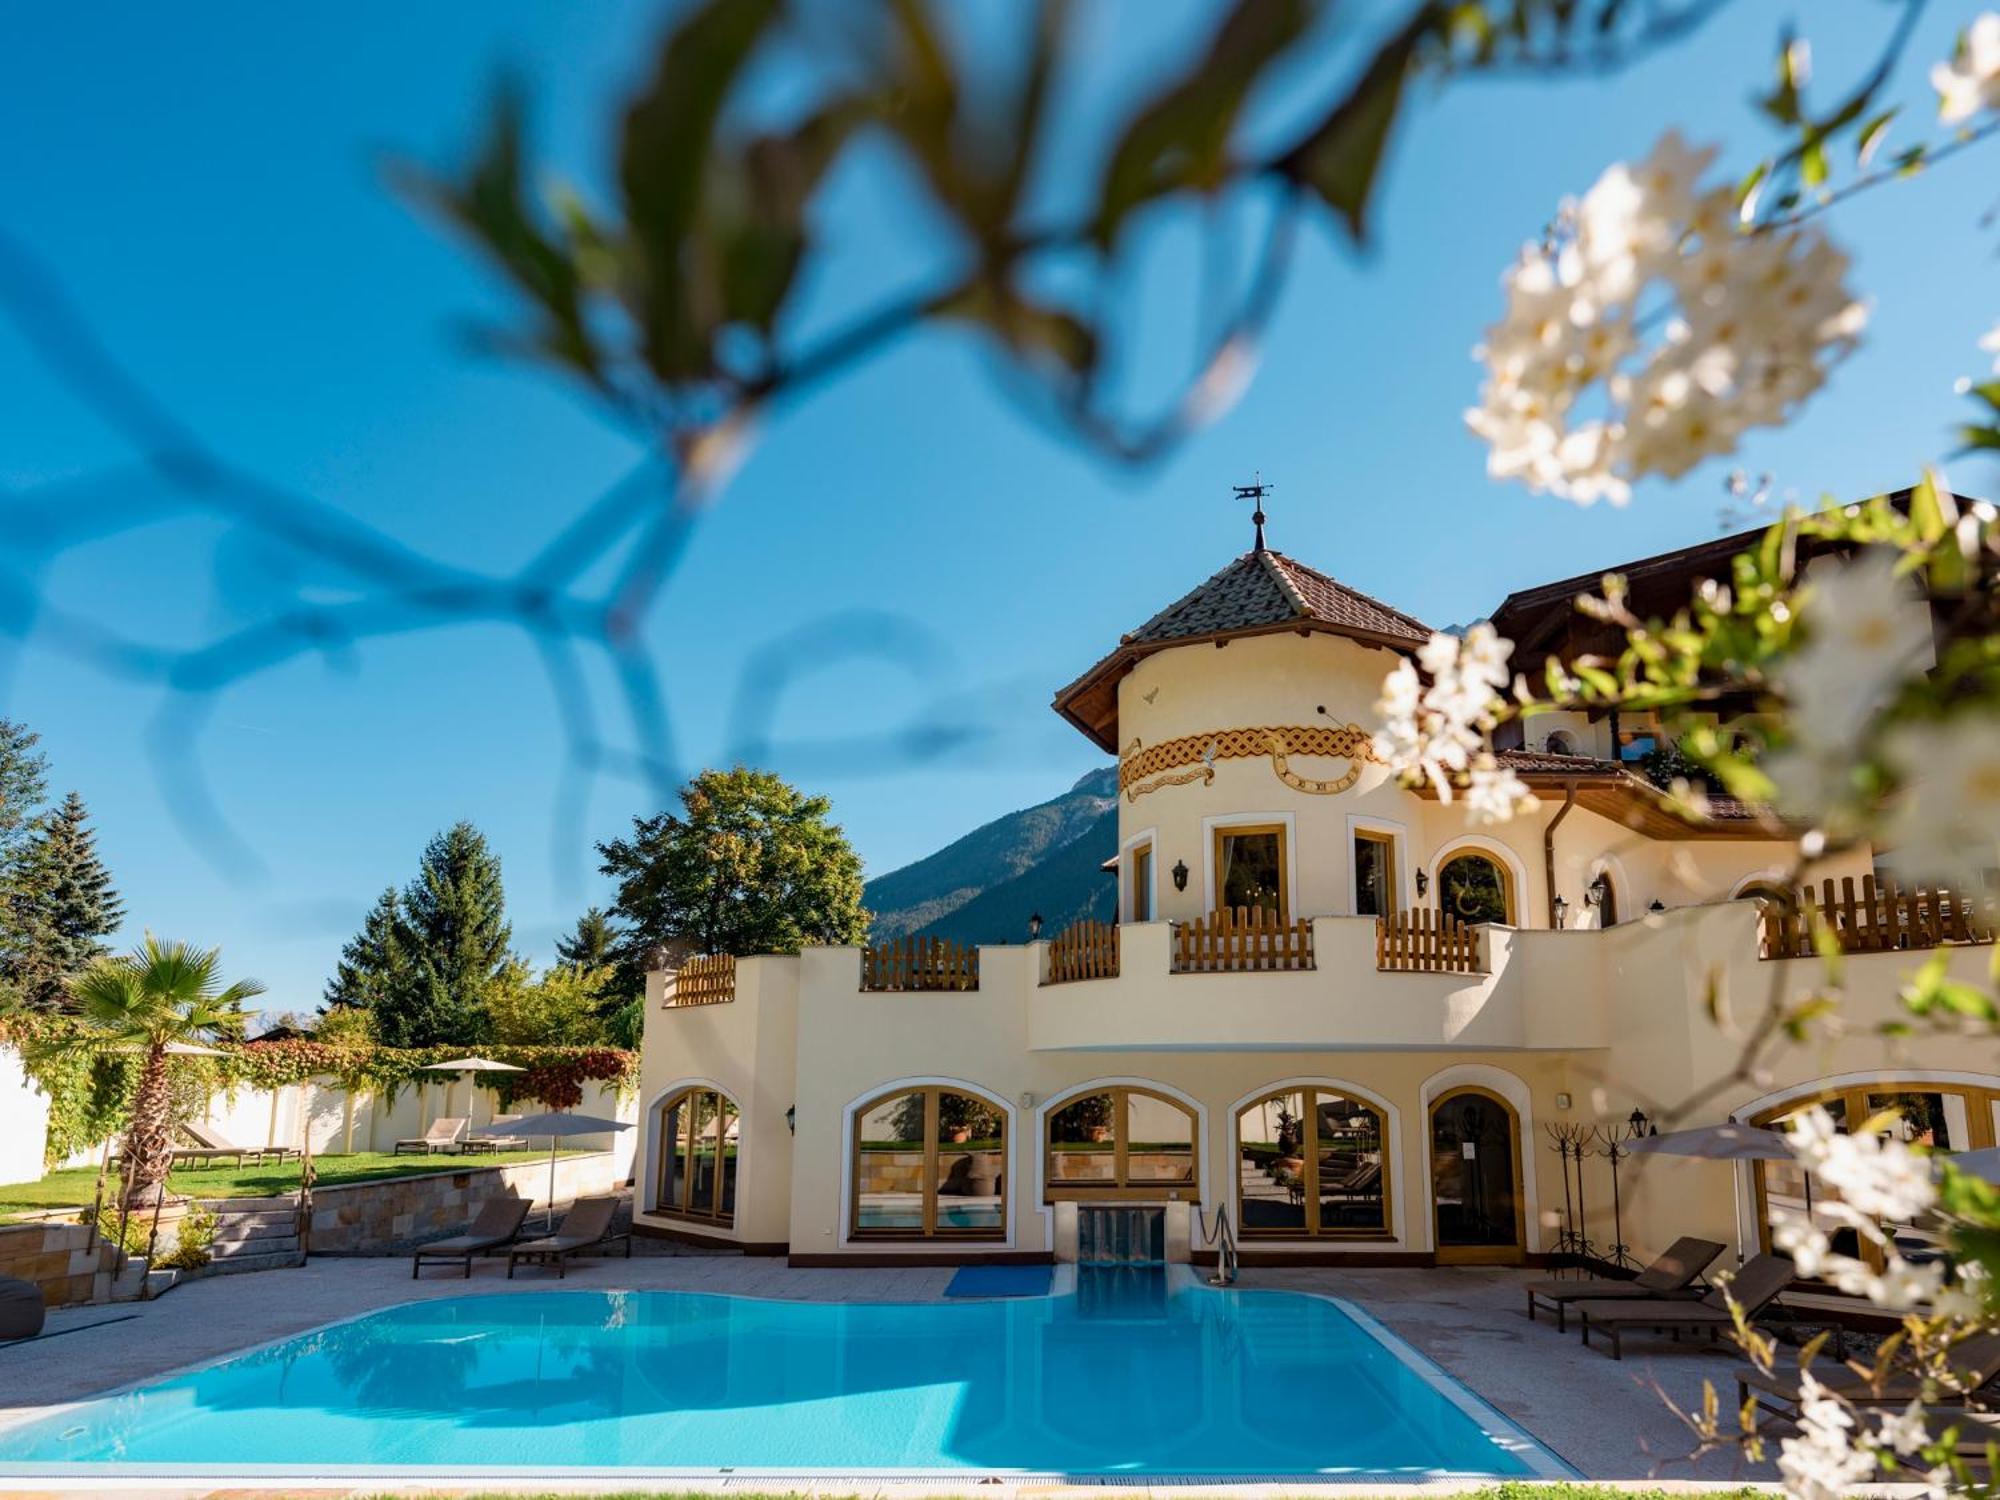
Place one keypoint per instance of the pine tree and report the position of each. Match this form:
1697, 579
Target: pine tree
23, 783
455, 932
373, 966
589, 947
62, 905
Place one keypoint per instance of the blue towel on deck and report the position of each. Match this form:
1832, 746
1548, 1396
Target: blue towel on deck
1001, 1281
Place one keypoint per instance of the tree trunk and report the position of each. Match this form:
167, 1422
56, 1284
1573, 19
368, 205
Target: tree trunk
148, 1138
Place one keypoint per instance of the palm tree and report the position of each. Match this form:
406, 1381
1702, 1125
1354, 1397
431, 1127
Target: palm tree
158, 996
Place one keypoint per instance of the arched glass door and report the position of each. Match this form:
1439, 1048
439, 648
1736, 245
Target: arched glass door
1476, 1179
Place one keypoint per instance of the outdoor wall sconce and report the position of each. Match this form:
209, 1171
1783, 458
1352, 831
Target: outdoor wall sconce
1593, 894
1180, 874
1641, 1126
1562, 911
1658, 905
1034, 927
1423, 883
792, 1119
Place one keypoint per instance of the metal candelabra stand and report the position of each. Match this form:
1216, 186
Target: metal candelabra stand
1573, 1143
1612, 1149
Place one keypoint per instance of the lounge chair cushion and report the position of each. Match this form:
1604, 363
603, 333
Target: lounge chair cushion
22, 1311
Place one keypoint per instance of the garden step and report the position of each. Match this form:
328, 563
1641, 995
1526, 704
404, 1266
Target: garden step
252, 1225
263, 1244
230, 1207
230, 1265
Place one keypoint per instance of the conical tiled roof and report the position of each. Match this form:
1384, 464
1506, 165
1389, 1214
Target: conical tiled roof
1260, 592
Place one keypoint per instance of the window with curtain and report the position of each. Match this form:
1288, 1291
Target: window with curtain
1250, 868
1374, 874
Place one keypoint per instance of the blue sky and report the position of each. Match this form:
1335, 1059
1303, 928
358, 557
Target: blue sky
206, 182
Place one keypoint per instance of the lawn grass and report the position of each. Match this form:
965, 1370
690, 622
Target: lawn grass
75, 1187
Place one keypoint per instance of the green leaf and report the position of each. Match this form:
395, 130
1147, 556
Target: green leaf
1870, 138
1181, 139
1341, 159
1029, 329
1747, 191
666, 153
1812, 163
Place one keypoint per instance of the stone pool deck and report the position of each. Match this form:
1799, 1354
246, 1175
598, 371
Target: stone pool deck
1607, 1419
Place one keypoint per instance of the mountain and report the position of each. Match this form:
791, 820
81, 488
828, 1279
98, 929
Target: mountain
982, 887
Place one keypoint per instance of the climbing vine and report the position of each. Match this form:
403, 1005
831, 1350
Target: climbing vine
88, 1090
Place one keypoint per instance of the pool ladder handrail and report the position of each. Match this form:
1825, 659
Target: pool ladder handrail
1224, 1239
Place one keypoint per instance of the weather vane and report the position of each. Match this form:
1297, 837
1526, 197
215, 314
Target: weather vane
1255, 491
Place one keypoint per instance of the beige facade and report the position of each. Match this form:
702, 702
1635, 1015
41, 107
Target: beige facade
1342, 1107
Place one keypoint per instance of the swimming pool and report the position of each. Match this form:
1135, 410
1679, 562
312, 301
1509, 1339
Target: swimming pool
1130, 1372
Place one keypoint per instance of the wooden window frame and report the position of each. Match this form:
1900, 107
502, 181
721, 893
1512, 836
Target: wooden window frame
1388, 841
1980, 1131
1312, 1229
929, 1228
1120, 1187
1508, 894
1216, 867
714, 1214
1140, 879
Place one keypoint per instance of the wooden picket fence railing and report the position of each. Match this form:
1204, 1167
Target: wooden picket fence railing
920, 963
1249, 938
707, 980
1424, 940
1084, 950
1877, 917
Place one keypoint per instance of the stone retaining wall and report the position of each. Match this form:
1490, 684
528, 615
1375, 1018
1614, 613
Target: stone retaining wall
59, 1258
382, 1218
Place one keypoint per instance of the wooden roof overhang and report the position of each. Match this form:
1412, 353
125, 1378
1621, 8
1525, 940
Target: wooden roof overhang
1630, 801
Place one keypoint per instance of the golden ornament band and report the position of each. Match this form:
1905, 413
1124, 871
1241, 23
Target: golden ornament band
1140, 771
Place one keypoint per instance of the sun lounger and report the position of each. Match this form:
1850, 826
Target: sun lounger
496, 1226
1975, 1363
1755, 1286
445, 1134
586, 1226
485, 1142
210, 1143
1672, 1275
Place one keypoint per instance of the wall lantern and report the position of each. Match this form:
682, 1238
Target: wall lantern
1180, 874
792, 1119
1034, 927
1595, 892
1423, 883
1641, 1126
1562, 911
1658, 905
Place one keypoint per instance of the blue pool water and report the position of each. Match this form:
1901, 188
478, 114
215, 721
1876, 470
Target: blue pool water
1133, 1373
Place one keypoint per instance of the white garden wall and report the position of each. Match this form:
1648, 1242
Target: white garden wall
24, 1121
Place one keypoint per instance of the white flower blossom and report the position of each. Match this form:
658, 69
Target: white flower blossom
1969, 83
1904, 1432
1945, 824
1823, 1462
1990, 342
1877, 1176
1438, 731
1753, 321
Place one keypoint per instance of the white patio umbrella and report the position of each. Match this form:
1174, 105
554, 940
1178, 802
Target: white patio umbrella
469, 1066
556, 1125
1732, 1143
1983, 1164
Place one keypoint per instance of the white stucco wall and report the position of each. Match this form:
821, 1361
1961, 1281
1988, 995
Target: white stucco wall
24, 1121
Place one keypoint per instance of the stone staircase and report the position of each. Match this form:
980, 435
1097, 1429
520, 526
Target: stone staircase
252, 1234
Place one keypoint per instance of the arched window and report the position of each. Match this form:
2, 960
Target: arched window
1474, 886
1118, 1142
697, 1157
927, 1163
1941, 1116
1311, 1162
1561, 742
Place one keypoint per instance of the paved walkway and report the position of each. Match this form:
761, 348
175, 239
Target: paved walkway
1605, 1418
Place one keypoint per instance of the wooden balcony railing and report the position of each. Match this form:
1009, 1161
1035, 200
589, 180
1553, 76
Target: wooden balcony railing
1245, 940
920, 963
1424, 940
1876, 918
708, 980
1084, 950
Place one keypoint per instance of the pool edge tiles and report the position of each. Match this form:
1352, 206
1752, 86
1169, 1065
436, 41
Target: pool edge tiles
1025, 1440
